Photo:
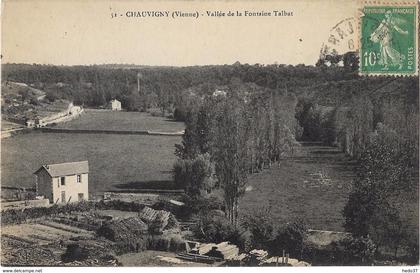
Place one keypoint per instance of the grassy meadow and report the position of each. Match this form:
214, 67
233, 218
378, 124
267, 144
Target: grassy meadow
313, 185
116, 162
123, 121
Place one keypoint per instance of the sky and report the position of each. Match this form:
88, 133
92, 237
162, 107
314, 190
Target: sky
83, 32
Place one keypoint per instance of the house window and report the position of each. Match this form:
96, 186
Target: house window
63, 197
81, 196
63, 181
58, 182
79, 178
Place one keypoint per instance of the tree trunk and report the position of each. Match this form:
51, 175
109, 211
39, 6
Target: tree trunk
236, 212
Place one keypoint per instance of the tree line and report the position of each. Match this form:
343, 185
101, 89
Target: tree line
235, 134
141, 87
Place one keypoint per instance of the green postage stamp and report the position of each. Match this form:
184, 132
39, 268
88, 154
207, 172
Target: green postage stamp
388, 40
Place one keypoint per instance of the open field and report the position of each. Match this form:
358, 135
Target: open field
124, 121
116, 162
313, 185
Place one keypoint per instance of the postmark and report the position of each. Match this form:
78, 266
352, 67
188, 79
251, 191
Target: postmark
341, 41
388, 39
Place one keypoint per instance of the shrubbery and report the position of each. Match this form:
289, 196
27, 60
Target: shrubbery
291, 239
202, 204
266, 235
261, 227
180, 114
386, 167
17, 216
216, 228
194, 175
51, 96
355, 251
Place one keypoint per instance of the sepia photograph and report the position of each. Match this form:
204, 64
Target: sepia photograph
209, 133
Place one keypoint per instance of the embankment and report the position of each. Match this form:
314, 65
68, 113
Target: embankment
98, 131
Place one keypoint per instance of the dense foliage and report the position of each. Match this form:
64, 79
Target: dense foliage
194, 175
387, 167
244, 130
139, 87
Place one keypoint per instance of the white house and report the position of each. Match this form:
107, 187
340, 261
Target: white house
115, 105
64, 182
30, 123
219, 93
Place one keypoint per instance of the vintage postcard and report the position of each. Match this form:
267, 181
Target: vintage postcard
210, 133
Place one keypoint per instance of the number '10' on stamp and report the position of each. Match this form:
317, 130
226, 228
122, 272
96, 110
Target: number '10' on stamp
388, 40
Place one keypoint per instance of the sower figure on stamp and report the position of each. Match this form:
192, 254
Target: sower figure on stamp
383, 36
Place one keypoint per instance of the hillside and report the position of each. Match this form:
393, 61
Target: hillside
21, 102
141, 87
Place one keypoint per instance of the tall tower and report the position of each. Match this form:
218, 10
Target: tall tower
138, 81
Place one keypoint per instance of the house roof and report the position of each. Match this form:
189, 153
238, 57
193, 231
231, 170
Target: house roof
68, 168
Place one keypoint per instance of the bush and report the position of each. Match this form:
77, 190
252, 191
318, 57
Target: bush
261, 226
243, 239
309, 117
34, 101
194, 175
202, 205
137, 245
412, 249
291, 239
51, 96
166, 242
17, 216
180, 114
355, 251
177, 243
214, 229
74, 253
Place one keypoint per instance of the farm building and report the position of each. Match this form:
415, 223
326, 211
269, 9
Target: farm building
64, 182
73, 110
30, 123
115, 105
219, 93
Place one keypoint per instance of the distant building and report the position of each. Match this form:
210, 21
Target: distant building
115, 105
219, 93
73, 110
30, 123
39, 122
64, 182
